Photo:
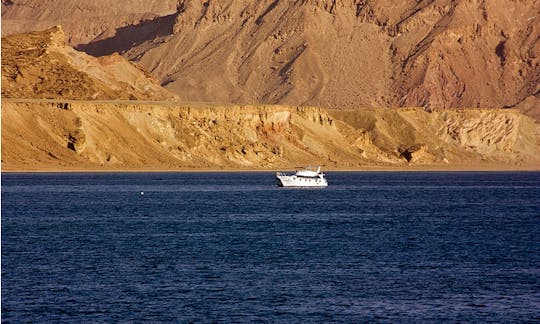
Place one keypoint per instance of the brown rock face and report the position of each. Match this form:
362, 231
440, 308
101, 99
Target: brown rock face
83, 20
41, 65
338, 54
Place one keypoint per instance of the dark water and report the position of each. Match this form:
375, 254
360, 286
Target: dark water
232, 247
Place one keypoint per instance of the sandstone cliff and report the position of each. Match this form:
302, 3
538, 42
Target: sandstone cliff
64, 135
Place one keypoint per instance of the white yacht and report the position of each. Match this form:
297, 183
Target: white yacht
302, 178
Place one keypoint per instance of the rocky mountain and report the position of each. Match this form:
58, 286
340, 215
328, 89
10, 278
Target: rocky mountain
330, 53
63, 109
41, 65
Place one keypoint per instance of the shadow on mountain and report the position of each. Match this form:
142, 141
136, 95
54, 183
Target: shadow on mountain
127, 37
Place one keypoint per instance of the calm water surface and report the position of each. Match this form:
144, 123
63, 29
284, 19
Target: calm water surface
232, 247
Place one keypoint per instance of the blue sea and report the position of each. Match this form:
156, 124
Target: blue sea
233, 247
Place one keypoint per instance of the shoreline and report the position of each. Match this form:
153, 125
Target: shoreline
414, 168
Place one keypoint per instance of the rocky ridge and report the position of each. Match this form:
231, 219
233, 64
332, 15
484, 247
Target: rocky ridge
84, 21
67, 135
41, 65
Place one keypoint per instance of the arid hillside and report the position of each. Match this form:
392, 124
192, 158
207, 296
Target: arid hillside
41, 65
93, 135
336, 54
83, 21
262, 67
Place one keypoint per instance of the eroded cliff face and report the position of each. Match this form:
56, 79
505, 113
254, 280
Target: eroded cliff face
39, 135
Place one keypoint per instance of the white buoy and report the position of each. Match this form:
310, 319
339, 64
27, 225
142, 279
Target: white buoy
142, 193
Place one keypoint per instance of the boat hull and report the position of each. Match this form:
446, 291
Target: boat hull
294, 181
